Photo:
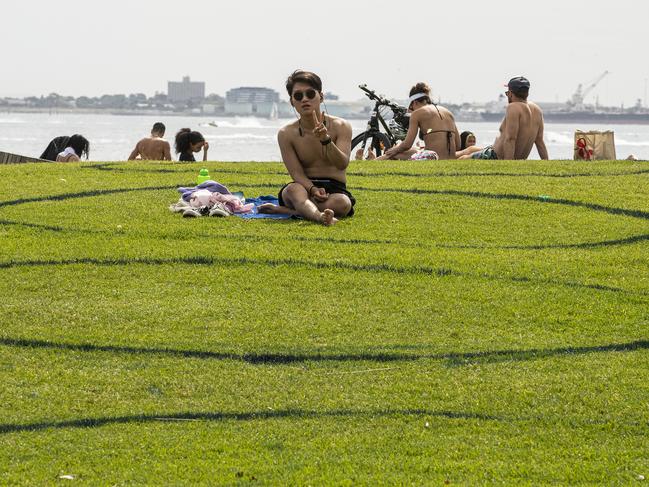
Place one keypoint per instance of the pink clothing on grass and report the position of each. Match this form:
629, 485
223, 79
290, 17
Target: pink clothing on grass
205, 197
232, 203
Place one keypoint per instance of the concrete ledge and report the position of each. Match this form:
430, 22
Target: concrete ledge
8, 158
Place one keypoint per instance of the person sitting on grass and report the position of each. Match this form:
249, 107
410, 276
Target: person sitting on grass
521, 129
188, 142
315, 150
436, 126
467, 145
77, 147
55, 147
153, 148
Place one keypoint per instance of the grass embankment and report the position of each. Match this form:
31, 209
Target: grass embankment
475, 322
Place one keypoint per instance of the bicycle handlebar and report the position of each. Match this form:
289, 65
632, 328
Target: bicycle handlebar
371, 94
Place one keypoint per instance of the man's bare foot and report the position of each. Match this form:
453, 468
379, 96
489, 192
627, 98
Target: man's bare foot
327, 218
371, 155
359, 155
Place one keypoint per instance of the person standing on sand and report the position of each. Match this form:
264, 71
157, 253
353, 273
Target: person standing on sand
315, 150
153, 148
521, 129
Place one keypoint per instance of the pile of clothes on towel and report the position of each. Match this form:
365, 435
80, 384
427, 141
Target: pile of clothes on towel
210, 199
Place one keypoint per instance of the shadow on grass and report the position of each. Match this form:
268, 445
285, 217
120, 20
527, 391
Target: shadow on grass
333, 265
82, 194
293, 414
39, 226
452, 359
634, 239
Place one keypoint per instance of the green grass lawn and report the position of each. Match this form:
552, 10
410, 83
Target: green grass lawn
475, 322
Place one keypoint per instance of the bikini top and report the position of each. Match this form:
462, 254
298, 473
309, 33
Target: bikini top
449, 134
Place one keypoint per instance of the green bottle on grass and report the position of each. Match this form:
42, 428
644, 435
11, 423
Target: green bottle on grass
203, 175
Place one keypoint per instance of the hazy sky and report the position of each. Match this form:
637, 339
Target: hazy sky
464, 49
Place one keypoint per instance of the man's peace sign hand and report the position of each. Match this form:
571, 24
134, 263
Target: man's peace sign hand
320, 130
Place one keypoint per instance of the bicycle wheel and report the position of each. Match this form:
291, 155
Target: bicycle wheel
378, 141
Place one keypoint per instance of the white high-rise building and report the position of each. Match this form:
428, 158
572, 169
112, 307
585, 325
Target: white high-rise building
255, 101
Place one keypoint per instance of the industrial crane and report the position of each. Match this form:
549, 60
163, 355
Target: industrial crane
577, 101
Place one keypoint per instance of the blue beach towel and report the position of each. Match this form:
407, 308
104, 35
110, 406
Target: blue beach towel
261, 200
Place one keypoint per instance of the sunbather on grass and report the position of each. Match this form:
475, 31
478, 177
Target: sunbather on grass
315, 150
153, 148
521, 129
467, 146
436, 127
76, 148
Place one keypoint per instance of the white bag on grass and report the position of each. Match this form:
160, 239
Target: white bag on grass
594, 145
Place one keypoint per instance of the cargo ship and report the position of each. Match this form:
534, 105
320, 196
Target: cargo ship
599, 117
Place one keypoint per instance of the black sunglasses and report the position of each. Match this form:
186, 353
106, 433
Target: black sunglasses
299, 95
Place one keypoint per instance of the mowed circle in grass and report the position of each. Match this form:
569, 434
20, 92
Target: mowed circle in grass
460, 329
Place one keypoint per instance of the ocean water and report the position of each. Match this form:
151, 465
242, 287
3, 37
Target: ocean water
112, 137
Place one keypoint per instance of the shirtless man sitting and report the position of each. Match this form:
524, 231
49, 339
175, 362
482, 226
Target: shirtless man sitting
521, 129
315, 150
153, 148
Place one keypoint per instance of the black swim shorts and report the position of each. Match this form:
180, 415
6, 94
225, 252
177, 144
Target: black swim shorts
331, 186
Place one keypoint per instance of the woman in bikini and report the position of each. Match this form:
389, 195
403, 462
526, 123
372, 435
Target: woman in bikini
436, 127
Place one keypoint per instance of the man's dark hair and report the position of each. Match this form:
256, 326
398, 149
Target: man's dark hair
306, 77
56, 146
522, 94
80, 145
159, 128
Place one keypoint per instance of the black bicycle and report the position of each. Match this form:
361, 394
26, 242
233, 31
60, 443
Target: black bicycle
394, 129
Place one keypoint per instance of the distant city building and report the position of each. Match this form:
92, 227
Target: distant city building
214, 104
347, 109
247, 100
15, 102
185, 90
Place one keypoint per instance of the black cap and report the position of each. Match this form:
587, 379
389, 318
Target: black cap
519, 83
